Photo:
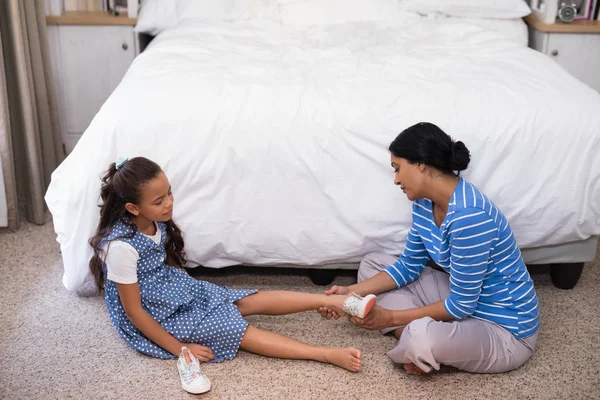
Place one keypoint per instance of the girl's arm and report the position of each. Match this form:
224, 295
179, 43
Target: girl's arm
132, 303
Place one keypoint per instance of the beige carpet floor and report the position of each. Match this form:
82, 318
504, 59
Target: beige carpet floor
57, 345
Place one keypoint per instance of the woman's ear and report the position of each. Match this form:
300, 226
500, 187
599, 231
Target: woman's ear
422, 167
132, 208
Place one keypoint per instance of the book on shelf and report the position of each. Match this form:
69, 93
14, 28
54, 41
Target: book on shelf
584, 10
126, 7
84, 5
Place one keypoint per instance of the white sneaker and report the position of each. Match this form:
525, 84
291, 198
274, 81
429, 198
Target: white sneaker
359, 306
193, 380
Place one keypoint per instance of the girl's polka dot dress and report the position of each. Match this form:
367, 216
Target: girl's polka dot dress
191, 310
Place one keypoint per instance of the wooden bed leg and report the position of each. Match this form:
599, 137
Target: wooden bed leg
322, 277
565, 276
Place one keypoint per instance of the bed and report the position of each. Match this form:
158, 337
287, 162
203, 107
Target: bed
274, 137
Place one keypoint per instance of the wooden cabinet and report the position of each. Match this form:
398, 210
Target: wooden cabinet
576, 47
89, 61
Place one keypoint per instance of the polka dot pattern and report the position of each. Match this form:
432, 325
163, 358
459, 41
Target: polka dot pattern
191, 310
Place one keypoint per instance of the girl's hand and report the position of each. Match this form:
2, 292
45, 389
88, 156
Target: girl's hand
337, 290
202, 353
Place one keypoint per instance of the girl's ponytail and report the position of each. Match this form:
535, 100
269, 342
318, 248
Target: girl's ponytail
121, 184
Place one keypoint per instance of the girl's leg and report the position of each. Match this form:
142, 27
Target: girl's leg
283, 302
273, 345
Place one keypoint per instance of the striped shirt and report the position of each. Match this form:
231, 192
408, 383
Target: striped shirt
476, 246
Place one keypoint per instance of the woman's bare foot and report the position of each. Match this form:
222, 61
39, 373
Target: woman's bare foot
412, 369
347, 358
398, 332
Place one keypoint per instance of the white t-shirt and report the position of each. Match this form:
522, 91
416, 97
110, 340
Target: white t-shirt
121, 259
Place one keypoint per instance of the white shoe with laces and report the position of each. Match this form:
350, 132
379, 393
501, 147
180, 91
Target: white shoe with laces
359, 306
193, 380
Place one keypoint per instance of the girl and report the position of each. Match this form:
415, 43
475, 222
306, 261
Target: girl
159, 309
481, 313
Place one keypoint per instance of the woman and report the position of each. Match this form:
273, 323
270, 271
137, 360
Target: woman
481, 313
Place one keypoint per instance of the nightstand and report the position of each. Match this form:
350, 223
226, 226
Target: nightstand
90, 52
575, 46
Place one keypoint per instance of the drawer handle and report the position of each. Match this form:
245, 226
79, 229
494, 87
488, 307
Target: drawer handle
125, 46
554, 53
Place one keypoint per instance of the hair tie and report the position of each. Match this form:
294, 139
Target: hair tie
120, 164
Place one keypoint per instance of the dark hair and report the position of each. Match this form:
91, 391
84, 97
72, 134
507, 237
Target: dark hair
427, 144
119, 187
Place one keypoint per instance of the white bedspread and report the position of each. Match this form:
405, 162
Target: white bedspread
275, 141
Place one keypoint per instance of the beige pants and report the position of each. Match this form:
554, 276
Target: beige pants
470, 345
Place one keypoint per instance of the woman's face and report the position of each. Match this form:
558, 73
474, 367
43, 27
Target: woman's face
409, 177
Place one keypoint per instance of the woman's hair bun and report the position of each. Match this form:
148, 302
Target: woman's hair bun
460, 156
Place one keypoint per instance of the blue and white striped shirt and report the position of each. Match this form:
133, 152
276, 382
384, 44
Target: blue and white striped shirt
475, 245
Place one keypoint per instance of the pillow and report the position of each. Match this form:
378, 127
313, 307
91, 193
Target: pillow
155, 16
328, 12
158, 15
227, 10
498, 9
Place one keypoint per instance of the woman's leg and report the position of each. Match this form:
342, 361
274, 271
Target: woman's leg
284, 302
273, 345
470, 345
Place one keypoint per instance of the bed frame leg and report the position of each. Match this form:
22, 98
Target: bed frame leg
565, 276
322, 277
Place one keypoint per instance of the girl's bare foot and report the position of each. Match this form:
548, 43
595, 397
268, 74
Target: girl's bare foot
336, 304
347, 358
412, 369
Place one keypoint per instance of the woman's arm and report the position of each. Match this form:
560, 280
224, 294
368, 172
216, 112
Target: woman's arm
132, 303
471, 235
377, 284
405, 270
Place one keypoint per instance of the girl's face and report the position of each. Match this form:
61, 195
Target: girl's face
410, 177
157, 200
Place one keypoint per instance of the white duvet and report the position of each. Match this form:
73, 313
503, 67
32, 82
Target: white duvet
275, 141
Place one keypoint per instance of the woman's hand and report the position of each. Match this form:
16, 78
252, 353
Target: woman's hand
202, 353
327, 312
378, 318
337, 290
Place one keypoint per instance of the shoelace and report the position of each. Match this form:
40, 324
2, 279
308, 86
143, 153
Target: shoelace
352, 307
